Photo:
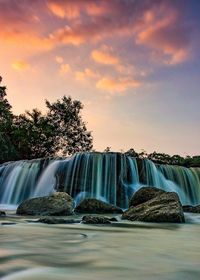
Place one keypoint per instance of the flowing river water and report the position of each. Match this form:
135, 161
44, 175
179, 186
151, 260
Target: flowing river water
123, 250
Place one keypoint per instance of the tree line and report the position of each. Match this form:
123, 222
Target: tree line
162, 158
33, 134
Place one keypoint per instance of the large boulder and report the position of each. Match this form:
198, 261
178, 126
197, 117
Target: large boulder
57, 204
144, 194
95, 206
191, 209
163, 208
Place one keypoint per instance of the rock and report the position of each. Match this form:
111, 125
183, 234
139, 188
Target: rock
53, 220
8, 223
2, 214
95, 206
57, 204
113, 219
95, 220
144, 194
191, 209
164, 208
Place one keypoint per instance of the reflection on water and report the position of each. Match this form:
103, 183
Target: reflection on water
78, 251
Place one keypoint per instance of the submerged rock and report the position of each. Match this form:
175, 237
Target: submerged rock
163, 208
191, 209
7, 223
95, 220
144, 194
57, 204
2, 214
95, 206
53, 220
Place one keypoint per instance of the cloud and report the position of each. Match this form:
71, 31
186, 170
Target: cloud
71, 9
20, 65
64, 69
163, 31
157, 25
59, 59
66, 36
105, 56
65, 9
117, 85
87, 73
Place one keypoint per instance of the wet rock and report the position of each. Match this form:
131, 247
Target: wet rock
113, 219
57, 204
2, 214
52, 220
144, 194
8, 223
164, 208
95, 220
191, 209
95, 206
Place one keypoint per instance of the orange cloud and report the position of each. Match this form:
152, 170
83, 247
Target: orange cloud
71, 9
59, 59
20, 65
117, 85
87, 73
64, 69
155, 24
105, 56
64, 9
67, 35
25, 41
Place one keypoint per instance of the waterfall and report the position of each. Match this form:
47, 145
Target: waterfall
112, 177
18, 180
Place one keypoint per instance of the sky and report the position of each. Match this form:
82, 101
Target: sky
134, 64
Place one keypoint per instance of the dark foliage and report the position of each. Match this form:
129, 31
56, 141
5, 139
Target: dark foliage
61, 131
162, 158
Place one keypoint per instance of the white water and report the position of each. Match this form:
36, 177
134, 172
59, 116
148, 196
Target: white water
47, 182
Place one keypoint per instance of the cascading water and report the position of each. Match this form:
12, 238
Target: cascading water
112, 177
18, 180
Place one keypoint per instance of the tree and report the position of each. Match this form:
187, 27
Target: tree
70, 130
33, 136
7, 150
107, 150
131, 153
61, 131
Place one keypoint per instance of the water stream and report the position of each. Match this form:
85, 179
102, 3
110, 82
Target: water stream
122, 251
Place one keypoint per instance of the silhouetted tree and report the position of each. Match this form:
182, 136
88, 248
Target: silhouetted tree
70, 130
7, 149
61, 131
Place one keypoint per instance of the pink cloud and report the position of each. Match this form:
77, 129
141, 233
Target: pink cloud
105, 55
87, 73
65, 9
162, 31
116, 85
157, 25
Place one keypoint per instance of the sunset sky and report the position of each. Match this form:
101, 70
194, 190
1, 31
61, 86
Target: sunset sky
134, 64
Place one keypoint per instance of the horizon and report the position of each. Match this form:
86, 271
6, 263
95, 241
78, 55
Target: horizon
134, 66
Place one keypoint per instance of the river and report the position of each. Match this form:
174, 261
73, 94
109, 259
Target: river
123, 250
